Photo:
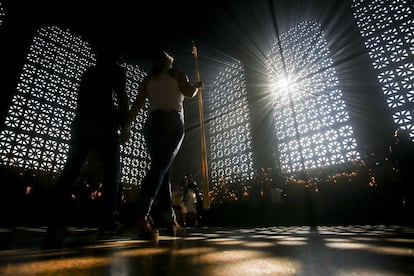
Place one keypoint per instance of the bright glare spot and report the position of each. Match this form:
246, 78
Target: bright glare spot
284, 86
286, 83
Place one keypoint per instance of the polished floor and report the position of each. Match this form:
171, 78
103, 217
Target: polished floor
293, 250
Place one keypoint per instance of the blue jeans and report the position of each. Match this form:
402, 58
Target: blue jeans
164, 133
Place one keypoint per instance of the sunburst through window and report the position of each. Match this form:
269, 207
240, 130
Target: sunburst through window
311, 121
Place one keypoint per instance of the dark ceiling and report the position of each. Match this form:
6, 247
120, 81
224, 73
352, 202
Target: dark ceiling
132, 24
146, 24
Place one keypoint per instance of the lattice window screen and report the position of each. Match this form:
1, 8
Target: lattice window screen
37, 126
311, 121
230, 131
388, 30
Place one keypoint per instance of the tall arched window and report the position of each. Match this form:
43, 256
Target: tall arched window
311, 121
37, 125
388, 30
230, 132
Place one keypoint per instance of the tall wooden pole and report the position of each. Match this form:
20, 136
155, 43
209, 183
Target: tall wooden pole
206, 196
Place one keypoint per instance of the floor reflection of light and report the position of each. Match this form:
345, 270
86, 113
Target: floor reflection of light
259, 244
194, 238
386, 250
258, 266
211, 235
328, 232
49, 267
336, 240
30, 253
365, 271
258, 236
303, 232
225, 232
168, 238
31, 229
295, 238
237, 237
246, 231
400, 240
225, 241
324, 230
347, 245
267, 232
193, 251
364, 239
226, 256
277, 237
346, 234
115, 244
140, 252
292, 242
14, 252
391, 250
377, 233
288, 240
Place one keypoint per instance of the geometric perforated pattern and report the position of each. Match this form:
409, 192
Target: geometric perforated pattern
312, 124
2, 13
37, 125
134, 156
388, 31
230, 133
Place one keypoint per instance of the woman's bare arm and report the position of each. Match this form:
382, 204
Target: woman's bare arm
186, 88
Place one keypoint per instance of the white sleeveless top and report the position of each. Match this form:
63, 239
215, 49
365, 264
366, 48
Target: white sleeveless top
164, 93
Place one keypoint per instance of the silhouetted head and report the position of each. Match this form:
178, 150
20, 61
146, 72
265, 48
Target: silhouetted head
161, 61
107, 53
